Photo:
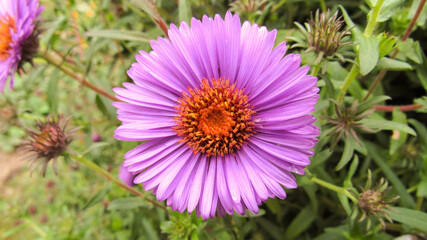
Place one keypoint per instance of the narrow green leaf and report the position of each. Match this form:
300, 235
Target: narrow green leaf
149, 231
398, 138
422, 188
387, 125
412, 218
368, 54
300, 223
52, 91
184, 9
126, 203
346, 155
371, 102
387, 10
393, 64
146, 6
119, 35
405, 198
421, 131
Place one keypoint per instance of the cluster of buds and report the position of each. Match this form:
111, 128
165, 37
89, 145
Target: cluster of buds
325, 36
347, 120
373, 202
47, 142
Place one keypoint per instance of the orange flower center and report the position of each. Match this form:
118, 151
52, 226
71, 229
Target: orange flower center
216, 119
6, 24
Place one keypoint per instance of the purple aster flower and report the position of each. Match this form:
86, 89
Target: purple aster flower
225, 113
126, 176
18, 36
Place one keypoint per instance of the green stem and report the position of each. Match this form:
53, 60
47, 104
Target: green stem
335, 188
347, 82
36, 228
119, 183
71, 73
373, 18
315, 70
322, 5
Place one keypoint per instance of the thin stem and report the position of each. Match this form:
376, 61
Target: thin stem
81, 80
315, 70
36, 228
373, 18
413, 21
404, 38
108, 176
322, 5
403, 108
335, 188
347, 82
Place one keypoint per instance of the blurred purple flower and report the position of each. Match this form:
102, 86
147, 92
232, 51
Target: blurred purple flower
18, 36
126, 176
227, 117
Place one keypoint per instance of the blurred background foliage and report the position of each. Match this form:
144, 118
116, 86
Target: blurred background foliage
341, 197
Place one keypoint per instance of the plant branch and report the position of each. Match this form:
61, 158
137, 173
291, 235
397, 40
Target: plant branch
373, 18
108, 176
401, 108
404, 38
335, 188
81, 80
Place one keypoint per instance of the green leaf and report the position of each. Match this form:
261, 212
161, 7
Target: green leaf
119, 35
412, 218
411, 49
393, 64
423, 102
346, 155
149, 231
388, 8
371, 102
146, 6
387, 125
184, 9
398, 138
405, 198
300, 223
422, 188
421, 71
387, 44
421, 131
127, 203
52, 91
368, 54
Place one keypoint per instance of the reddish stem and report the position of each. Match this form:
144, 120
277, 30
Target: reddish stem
402, 108
404, 38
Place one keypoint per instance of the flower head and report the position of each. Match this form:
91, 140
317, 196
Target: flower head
48, 142
325, 36
347, 120
226, 113
373, 201
18, 36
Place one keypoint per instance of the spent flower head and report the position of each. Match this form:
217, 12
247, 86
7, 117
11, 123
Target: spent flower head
325, 36
373, 201
347, 120
49, 140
